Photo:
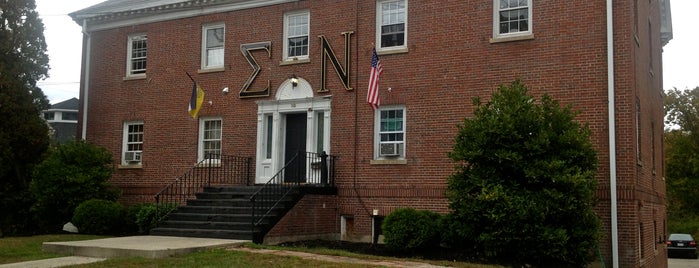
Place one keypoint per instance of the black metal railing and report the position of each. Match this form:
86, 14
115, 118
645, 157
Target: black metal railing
216, 169
304, 168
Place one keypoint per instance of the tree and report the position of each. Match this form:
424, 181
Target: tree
523, 188
23, 134
681, 147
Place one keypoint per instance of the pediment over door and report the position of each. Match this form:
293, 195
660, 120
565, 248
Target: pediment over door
288, 91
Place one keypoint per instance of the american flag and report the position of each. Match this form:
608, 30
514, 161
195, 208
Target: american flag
372, 96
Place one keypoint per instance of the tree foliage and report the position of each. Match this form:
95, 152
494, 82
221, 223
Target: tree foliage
681, 147
23, 134
523, 189
73, 173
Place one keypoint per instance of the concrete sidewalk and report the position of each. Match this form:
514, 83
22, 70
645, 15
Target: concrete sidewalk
88, 251
53, 262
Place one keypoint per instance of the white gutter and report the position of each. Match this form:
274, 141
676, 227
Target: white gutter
86, 82
612, 135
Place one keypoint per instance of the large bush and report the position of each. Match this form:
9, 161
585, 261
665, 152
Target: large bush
523, 189
99, 217
407, 229
73, 173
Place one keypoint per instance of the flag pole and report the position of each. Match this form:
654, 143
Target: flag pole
190, 77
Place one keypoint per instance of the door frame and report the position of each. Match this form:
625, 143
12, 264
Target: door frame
266, 167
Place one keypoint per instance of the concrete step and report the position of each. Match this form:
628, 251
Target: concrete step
210, 225
137, 246
219, 234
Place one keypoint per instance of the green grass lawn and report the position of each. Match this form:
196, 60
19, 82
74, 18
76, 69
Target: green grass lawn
27, 248
17, 249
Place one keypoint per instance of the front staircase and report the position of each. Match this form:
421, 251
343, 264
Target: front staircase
222, 212
219, 201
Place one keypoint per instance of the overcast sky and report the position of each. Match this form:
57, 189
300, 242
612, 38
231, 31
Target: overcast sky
64, 39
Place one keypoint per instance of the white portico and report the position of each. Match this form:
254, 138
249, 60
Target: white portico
295, 121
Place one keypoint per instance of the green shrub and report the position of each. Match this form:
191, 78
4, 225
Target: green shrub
131, 226
72, 173
407, 229
523, 188
99, 217
146, 218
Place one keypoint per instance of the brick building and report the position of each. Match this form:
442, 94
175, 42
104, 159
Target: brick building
287, 75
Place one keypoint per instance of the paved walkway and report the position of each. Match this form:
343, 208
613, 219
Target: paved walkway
339, 259
89, 251
53, 262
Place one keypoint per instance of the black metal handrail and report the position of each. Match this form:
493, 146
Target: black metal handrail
304, 168
216, 169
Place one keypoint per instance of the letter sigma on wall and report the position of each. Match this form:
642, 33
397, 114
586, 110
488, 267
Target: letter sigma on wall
246, 49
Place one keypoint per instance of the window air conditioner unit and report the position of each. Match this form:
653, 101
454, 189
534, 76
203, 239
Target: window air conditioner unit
132, 157
389, 149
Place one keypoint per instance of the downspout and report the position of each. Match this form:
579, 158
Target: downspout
86, 82
612, 135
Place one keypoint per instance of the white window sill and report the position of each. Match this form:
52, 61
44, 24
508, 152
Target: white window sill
130, 166
294, 61
397, 161
511, 38
135, 77
391, 50
211, 70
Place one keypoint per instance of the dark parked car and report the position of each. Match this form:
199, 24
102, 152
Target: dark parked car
681, 245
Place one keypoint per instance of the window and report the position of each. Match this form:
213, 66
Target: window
268, 139
69, 116
212, 46
210, 139
391, 24
391, 132
512, 17
296, 31
320, 132
49, 115
136, 57
133, 143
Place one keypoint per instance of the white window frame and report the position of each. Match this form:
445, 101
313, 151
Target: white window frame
202, 139
496, 21
380, 23
377, 133
130, 72
205, 61
127, 142
287, 35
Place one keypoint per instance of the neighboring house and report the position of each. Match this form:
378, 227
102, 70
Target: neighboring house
62, 117
283, 76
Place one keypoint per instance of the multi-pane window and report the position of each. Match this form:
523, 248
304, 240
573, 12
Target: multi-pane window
512, 17
210, 138
137, 52
212, 46
391, 23
296, 31
391, 132
133, 143
69, 116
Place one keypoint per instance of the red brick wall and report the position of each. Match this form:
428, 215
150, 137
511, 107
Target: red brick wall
450, 61
315, 216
